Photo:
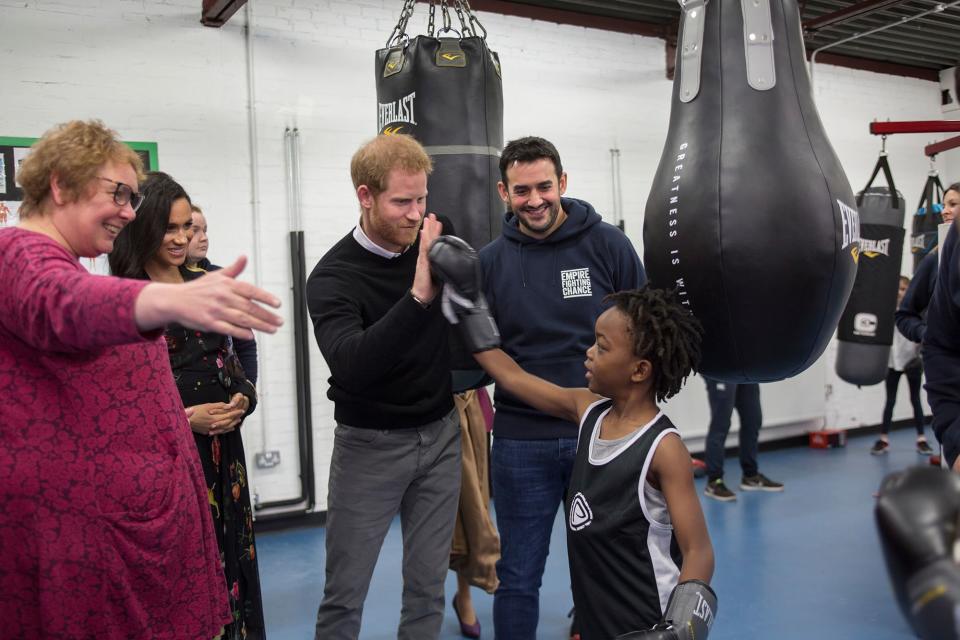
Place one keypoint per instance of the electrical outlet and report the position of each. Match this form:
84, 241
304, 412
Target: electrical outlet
267, 459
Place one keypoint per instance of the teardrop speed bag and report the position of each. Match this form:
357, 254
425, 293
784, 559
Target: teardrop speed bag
865, 331
750, 218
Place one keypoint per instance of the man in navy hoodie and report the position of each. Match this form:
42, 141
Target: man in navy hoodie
545, 279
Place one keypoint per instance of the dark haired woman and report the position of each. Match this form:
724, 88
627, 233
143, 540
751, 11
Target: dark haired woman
154, 247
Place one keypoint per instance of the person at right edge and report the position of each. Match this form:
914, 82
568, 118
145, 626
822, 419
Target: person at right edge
918, 509
546, 278
941, 351
640, 554
912, 312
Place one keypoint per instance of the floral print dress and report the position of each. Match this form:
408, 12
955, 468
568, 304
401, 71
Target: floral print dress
206, 371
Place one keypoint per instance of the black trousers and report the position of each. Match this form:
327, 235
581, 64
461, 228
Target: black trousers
893, 383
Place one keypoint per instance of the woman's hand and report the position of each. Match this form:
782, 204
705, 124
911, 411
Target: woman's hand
214, 302
214, 418
238, 403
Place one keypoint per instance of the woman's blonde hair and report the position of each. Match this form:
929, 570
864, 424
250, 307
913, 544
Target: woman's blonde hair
374, 161
73, 151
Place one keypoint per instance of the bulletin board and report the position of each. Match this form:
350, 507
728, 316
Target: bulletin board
12, 153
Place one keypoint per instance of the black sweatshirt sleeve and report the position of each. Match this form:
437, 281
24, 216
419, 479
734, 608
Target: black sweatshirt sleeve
910, 317
359, 357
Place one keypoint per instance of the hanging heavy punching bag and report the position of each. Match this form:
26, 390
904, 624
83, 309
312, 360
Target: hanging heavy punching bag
750, 217
446, 92
927, 219
866, 327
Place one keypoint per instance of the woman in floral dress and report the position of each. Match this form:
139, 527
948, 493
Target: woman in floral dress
212, 386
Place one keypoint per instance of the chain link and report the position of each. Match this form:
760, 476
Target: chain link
464, 25
447, 24
399, 33
469, 23
475, 25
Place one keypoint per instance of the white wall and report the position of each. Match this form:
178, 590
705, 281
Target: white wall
150, 70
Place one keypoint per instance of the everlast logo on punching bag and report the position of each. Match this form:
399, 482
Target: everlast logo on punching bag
397, 111
851, 229
874, 248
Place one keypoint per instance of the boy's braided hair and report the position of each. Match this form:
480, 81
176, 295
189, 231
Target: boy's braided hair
665, 333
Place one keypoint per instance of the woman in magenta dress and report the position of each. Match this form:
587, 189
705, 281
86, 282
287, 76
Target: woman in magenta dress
104, 525
212, 386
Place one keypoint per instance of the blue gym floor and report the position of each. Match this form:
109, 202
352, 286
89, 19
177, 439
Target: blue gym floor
801, 565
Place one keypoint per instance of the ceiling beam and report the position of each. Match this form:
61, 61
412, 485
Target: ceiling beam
932, 150
575, 18
914, 126
668, 31
877, 66
842, 15
215, 13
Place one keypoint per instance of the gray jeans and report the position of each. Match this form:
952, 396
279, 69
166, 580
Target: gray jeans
373, 475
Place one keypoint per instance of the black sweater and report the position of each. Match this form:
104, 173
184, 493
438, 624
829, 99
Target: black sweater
389, 357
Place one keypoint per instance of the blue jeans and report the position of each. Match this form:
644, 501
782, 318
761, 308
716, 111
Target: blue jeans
724, 396
530, 479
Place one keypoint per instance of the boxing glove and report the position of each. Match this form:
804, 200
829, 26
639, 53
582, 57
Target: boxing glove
458, 265
689, 616
917, 517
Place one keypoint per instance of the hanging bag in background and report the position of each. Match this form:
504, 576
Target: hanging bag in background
866, 327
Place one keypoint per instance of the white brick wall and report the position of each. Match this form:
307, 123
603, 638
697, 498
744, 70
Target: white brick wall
150, 70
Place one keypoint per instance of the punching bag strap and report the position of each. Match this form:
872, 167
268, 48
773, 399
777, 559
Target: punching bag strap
932, 193
394, 62
884, 165
758, 44
449, 54
461, 149
691, 51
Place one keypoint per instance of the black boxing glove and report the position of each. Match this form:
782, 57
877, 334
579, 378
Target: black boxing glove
918, 514
458, 265
689, 616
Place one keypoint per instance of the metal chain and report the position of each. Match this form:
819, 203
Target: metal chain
447, 25
464, 26
399, 33
475, 25
430, 23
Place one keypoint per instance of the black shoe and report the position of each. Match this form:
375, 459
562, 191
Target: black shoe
717, 490
759, 482
923, 448
880, 447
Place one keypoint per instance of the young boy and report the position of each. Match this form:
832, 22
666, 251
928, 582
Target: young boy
638, 545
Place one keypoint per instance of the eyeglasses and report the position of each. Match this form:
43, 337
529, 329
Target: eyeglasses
124, 194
